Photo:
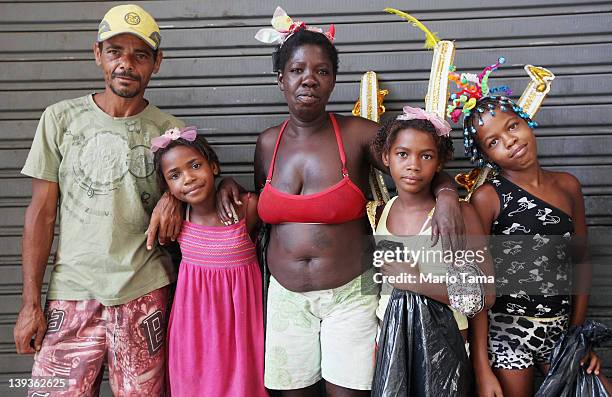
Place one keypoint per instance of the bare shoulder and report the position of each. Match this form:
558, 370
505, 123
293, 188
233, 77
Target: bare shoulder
267, 139
486, 204
249, 202
471, 219
360, 121
356, 125
568, 184
264, 148
484, 194
251, 198
358, 132
467, 210
565, 181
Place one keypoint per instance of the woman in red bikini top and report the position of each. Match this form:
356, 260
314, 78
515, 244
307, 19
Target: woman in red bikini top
313, 170
340, 203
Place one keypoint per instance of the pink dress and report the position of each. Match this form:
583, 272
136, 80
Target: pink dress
215, 332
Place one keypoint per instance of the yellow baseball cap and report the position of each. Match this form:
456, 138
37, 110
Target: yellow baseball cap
132, 19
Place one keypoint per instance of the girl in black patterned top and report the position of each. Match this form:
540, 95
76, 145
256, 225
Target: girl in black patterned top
537, 220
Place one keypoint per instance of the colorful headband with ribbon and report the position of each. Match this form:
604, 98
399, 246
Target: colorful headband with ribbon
187, 133
472, 87
442, 127
283, 27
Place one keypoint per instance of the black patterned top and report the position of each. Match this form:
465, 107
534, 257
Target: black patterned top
530, 251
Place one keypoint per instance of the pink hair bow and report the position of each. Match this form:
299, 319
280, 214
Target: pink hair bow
187, 133
283, 27
442, 127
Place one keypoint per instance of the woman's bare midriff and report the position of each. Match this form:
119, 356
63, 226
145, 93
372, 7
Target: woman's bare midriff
311, 257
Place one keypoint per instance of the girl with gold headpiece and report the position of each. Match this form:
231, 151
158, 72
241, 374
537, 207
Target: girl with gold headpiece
421, 345
536, 219
423, 323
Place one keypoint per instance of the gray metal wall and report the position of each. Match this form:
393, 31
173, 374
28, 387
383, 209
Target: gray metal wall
217, 77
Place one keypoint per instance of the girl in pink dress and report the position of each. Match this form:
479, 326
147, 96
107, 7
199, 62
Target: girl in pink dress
215, 332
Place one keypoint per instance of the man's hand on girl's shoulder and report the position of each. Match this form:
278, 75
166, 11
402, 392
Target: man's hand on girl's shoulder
166, 221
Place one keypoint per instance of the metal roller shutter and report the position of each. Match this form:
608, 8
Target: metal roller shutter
217, 77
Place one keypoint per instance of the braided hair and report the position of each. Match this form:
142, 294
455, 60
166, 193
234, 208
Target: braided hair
487, 104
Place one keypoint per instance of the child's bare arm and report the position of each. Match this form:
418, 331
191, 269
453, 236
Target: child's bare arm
579, 251
486, 382
486, 203
477, 243
252, 218
583, 268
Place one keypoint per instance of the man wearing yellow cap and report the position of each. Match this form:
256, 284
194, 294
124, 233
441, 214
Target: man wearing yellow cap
107, 295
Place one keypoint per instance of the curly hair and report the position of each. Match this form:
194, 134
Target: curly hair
298, 39
389, 131
199, 143
487, 104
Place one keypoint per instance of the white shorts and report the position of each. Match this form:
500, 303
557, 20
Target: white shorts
327, 334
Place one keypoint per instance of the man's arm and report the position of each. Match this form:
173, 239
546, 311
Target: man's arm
166, 220
36, 245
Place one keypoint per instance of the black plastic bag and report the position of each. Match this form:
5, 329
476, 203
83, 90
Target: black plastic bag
566, 378
421, 352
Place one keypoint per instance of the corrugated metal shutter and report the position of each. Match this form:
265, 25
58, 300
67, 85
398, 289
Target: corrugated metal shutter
217, 77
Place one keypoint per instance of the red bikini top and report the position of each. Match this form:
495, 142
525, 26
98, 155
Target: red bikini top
340, 203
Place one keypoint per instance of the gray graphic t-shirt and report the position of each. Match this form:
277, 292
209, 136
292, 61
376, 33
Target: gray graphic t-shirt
107, 192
